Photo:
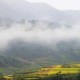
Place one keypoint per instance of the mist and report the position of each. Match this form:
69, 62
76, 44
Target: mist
40, 32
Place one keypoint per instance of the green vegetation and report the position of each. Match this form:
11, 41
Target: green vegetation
56, 72
41, 55
63, 77
57, 76
8, 61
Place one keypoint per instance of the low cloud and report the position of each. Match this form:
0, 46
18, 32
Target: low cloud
40, 32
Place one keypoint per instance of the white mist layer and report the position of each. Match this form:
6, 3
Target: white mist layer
40, 33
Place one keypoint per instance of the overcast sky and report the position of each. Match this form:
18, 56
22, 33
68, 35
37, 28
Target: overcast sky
62, 4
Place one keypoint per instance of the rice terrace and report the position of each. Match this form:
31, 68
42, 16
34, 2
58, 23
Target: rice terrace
45, 73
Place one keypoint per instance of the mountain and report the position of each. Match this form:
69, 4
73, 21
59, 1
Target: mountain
7, 61
25, 10
71, 16
20, 9
5, 10
41, 55
48, 21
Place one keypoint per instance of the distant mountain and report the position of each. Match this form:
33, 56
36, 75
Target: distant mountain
5, 10
24, 10
40, 54
20, 9
7, 61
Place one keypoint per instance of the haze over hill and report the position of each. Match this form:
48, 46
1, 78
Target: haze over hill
36, 33
20, 9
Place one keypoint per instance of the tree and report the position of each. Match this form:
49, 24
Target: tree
1, 76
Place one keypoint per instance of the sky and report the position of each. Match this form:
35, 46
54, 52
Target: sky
61, 4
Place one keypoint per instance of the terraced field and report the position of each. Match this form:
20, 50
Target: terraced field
48, 71
64, 71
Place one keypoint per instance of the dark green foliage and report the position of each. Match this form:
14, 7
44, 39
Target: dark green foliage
62, 77
1, 76
18, 77
78, 76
